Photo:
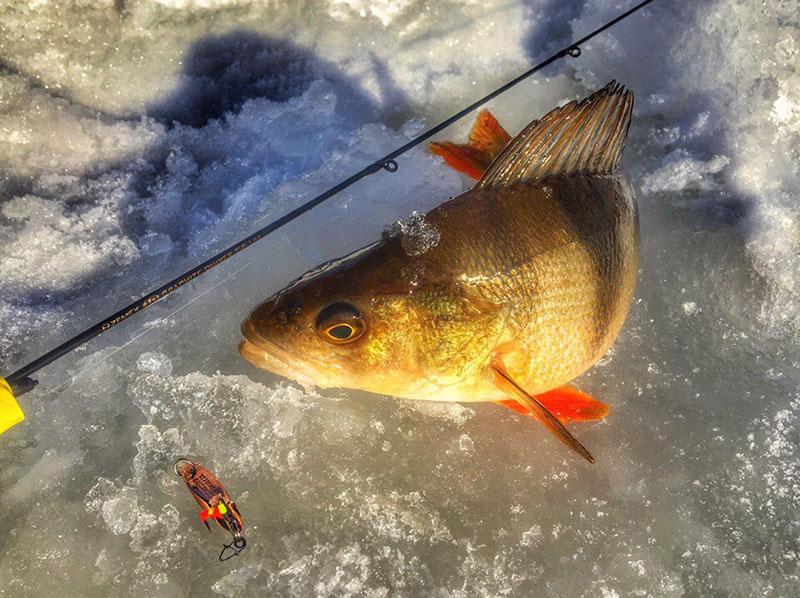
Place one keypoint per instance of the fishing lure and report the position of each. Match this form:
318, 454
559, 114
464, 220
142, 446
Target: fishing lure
217, 504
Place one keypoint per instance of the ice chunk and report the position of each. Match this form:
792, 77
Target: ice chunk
70, 246
466, 444
690, 308
683, 172
156, 451
384, 10
121, 511
155, 363
532, 537
456, 413
156, 536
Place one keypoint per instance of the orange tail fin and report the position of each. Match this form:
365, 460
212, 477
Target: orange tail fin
566, 403
486, 140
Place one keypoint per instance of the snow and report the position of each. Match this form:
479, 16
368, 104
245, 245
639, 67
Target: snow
682, 172
139, 138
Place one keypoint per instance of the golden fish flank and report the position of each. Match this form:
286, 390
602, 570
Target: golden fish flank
521, 285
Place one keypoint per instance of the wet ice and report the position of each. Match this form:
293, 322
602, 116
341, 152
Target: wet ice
112, 185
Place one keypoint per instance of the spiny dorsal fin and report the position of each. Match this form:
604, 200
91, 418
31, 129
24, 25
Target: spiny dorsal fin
583, 137
486, 140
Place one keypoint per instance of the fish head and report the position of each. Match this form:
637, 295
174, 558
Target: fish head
380, 321
337, 325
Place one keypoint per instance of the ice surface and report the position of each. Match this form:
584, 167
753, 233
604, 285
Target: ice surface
139, 138
155, 363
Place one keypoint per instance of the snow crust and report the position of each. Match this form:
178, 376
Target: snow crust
139, 138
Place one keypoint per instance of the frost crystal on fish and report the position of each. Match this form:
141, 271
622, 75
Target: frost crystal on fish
418, 236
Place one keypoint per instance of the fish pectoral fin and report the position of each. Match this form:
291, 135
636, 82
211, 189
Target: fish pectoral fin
486, 140
531, 406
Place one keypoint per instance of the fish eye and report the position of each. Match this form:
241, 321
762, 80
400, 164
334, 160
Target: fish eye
340, 332
340, 323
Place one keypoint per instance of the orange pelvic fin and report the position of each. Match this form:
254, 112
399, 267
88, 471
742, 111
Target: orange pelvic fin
570, 405
566, 403
486, 140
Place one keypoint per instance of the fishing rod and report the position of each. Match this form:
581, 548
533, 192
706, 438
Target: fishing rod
20, 382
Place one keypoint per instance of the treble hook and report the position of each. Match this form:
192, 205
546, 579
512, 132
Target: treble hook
236, 547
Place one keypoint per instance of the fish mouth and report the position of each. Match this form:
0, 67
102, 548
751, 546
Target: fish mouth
270, 356
255, 347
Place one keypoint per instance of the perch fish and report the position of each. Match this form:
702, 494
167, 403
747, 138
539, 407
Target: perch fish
505, 293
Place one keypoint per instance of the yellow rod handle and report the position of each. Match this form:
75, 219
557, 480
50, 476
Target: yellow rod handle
10, 413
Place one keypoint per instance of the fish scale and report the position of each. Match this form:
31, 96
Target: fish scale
549, 269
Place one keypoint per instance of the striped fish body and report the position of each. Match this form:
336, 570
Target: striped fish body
558, 259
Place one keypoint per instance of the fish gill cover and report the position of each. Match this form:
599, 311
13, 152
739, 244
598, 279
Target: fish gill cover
123, 164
